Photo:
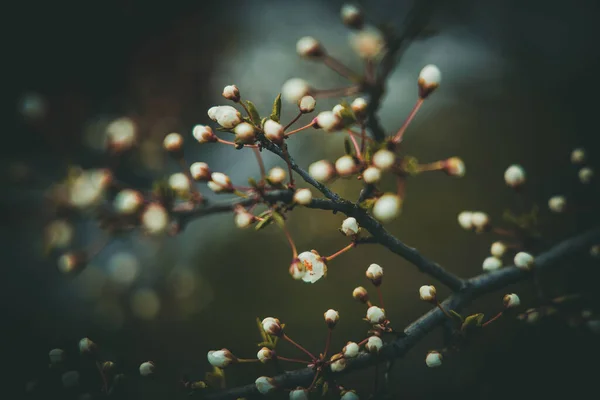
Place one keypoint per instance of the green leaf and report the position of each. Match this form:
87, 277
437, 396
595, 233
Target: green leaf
410, 165
263, 334
254, 116
216, 378
348, 146
367, 204
266, 221
252, 182
472, 321
325, 388
457, 315
278, 218
276, 110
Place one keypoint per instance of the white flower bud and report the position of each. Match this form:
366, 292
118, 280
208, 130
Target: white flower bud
511, 300
349, 395
127, 201
384, 159
433, 359
307, 104
297, 270
70, 262
220, 182
524, 260
155, 219
212, 113
427, 293
371, 175
361, 294
243, 219
87, 189
220, 358
86, 346
179, 182
430, 78
314, 265
338, 362
465, 220
264, 384
387, 207
375, 315
346, 166
455, 166
368, 43
58, 234
226, 116
498, 249
303, 197
204, 134
350, 350
273, 131
557, 204
375, 274
173, 142
244, 133
331, 318
514, 176
277, 175
121, 134
480, 221
491, 264
350, 227
352, 17
70, 379
56, 356
374, 344
272, 326
595, 251
265, 355
294, 89
359, 107
308, 46
231, 92
322, 171
146, 368
578, 156
299, 394
328, 121
585, 175
200, 171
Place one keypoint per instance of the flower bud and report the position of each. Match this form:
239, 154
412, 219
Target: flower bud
368, 43
465, 220
88, 187
200, 171
273, 131
514, 176
331, 318
480, 221
299, 394
56, 356
58, 234
231, 92
375, 274
244, 133
585, 175
346, 166
338, 362
265, 354
498, 249
328, 121
179, 182
204, 134
307, 104
530, 316
297, 269
361, 294
71, 262
272, 326
147, 368
243, 219
375, 315
277, 175
226, 116
219, 183
454, 166
433, 359
374, 344
557, 204
427, 293
128, 201
359, 107
314, 265
387, 207
308, 46
220, 358
578, 156
294, 89
511, 300
264, 384
430, 78
491, 264
384, 159
350, 350
349, 395
86, 346
121, 134
595, 251
303, 197
371, 175
524, 260
350, 227
352, 17
322, 171
155, 219
173, 142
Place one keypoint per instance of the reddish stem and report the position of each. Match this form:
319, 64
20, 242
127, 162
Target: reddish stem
492, 319
291, 241
310, 125
293, 360
439, 305
338, 67
234, 144
261, 165
329, 331
312, 357
398, 137
296, 118
380, 297
355, 143
342, 251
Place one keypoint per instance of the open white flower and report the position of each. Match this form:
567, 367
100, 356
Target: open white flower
427, 293
374, 344
220, 358
146, 368
524, 260
375, 315
314, 264
491, 264
294, 89
350, 227
514, 176
350, 350
433, 359
387, 207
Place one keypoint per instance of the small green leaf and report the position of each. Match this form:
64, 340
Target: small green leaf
278, 218
472, 321
367, 204
263, 334
216, 378
266, 221
254, 116
276, 110
410, 165
325, 388
348, 146
457, 315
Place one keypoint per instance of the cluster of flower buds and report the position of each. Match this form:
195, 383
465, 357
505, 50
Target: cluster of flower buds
477, 221
578, 157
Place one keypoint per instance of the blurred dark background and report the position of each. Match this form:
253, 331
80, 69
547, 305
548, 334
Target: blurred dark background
520, 84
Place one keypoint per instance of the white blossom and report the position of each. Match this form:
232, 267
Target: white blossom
371, 175
231, 92
350, 227
480, 221
299, 394
200, 171
204, 134
244, 133
121, 134
272, 326
314, 265
360, 294
578, 156
226, 116
375, 274
387, 207
308, 46
86, 346
328, 121
322, 171
498, 249
511, 300
359, 107
127, 201
56, 356
491, 264
585, 175
427, 293
368, 43
265, 355
58, 234
349, 395
273, 131
350, 350
307, 104
455, 166
219, 182
331, 318
433, 359
374, 344
220, 358
277, 175
430, 78
346, 166
179, 182
524, 260
375, 315
465, 220
351, 16
146, 368
338, 362
173, 142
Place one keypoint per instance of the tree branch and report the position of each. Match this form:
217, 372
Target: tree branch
476, 287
